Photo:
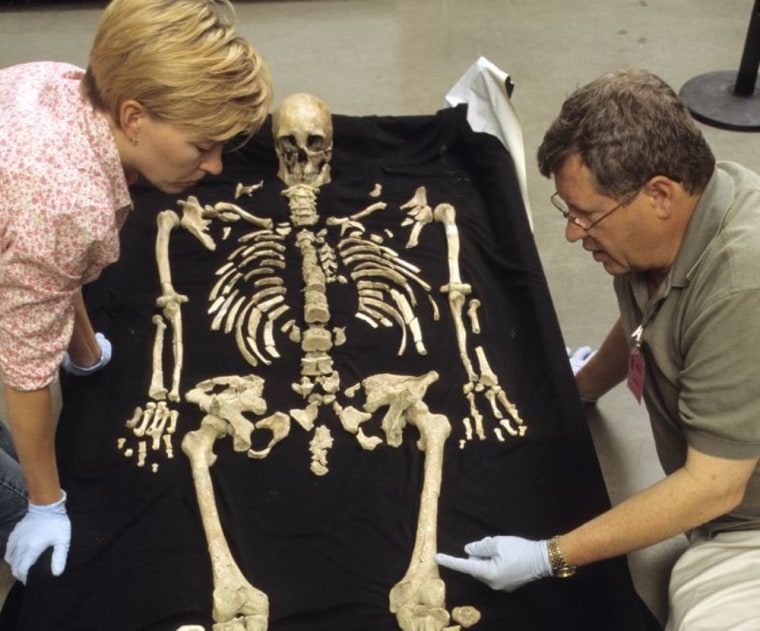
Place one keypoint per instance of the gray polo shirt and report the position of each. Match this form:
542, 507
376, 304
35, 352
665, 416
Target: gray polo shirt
701, 338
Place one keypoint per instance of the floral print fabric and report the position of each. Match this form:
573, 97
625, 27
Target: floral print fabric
63, 199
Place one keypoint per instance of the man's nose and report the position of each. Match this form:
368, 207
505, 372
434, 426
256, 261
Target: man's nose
573, 232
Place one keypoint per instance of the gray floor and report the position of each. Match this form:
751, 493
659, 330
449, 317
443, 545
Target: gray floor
402, 56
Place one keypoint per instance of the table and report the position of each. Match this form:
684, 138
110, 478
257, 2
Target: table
327, 549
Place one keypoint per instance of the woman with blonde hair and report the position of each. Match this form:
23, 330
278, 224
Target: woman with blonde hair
169, 82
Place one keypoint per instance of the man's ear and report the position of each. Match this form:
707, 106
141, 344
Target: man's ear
661, 192
131, 117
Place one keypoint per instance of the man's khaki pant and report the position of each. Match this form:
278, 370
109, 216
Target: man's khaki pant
715, 584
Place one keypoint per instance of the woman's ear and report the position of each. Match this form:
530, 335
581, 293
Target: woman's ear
131, 116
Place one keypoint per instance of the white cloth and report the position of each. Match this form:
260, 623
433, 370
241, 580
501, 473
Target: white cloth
483, 87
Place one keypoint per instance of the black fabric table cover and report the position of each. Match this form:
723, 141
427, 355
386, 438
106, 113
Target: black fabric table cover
327, 550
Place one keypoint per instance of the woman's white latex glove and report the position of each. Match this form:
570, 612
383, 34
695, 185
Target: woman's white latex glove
43, 527
79, 371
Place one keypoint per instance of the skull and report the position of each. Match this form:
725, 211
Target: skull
302, 130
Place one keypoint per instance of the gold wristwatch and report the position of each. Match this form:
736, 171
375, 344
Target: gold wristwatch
560, 567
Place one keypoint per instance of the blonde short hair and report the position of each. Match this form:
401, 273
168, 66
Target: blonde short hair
184, 62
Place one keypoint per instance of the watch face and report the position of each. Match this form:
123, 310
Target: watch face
565, 572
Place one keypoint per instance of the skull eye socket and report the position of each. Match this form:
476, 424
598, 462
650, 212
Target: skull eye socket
289, 143
316, 142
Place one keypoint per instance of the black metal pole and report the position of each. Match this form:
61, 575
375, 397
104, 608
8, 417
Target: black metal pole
747, 76
727, 99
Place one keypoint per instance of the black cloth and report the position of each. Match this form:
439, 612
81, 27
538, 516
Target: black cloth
327, 550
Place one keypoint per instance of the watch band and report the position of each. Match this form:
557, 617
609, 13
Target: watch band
560, 567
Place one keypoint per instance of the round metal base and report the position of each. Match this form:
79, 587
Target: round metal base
711, 99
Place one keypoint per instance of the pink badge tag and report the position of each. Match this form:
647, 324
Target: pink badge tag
636, 374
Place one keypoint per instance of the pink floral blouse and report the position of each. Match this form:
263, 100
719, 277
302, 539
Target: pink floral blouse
63, 199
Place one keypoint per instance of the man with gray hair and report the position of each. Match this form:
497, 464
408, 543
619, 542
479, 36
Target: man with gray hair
640, 189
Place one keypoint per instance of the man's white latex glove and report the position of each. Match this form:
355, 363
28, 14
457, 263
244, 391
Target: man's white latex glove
579, 357
105, 357
504, 563
41, 528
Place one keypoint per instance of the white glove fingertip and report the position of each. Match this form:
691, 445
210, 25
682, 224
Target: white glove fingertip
106, 349
58, 562
443, 559
21, 571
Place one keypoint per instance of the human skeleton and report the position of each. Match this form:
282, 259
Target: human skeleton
249, 302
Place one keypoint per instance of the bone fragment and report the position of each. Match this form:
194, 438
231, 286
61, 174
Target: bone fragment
434, 307
418, 599
286, 327
487, 376
147, 417
351, 418
142, 452
506, 425
339, 335
302, 203
236, 603
369, 210
136, 416
279, 424
363, 316
226, 211
476, 415
410, 319
472, 312
242, 189
491, 396
304, 387
397, 392
368, 443
157, 389
223, 309
377, 190
228, 398
467, 616
316, 363
168, 447
194, 223
318, 447
467, 428
306, 417
229, 276
330, 383
169, 300
421, 214
156, 428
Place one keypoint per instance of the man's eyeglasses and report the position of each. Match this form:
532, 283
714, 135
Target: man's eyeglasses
585, 224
